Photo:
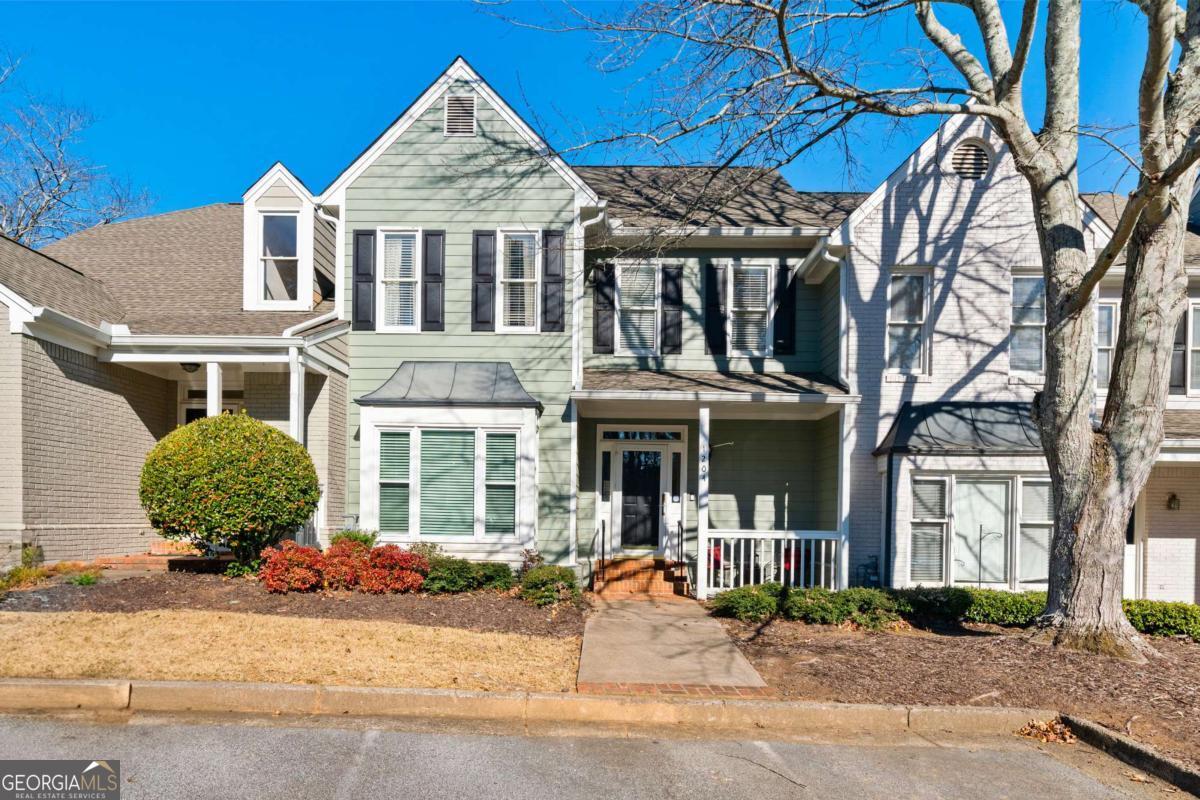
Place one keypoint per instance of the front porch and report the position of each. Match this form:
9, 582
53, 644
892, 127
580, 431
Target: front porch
699, 490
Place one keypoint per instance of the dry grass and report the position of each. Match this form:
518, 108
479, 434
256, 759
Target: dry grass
32, 575
207, 645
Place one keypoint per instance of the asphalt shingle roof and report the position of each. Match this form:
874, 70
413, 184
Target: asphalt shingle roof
654, 197
643, 380
44, 281
1109, 208
178, 273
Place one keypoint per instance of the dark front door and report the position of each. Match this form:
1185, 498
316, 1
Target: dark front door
641, 483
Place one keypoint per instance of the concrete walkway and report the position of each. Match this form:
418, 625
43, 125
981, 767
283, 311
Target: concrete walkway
671, 647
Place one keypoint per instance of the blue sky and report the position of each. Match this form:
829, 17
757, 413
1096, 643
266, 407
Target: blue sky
194, 101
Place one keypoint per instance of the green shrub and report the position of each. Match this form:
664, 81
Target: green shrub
367, 538
866, 608
85, 579
495, 575
748, 603
547, 585
451, 575
932, 603
31, 556
1156, 618
426, 550
998, 607
229, 481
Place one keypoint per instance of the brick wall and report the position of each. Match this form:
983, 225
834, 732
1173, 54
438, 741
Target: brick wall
86, 429
969, 236
1172, 545
266, 397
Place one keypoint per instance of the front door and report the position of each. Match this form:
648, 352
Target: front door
641, 497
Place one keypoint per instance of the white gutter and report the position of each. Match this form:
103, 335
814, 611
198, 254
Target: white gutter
312, 323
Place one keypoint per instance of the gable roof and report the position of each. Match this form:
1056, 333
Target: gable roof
1109, 207
459, 70
43, 281
178, 273
743, 197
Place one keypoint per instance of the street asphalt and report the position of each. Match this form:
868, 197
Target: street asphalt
182, 757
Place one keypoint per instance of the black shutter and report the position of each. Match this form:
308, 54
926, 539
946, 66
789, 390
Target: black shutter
714, 309
672, 310
553, 281
433, 281
363, 299
785, 311
483, 281
603, 309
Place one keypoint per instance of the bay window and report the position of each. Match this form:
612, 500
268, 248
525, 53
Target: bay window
279, 257
1027, 347
906, 329
399, 281
518, 294
638, 307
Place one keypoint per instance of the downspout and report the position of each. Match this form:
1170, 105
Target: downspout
885, 568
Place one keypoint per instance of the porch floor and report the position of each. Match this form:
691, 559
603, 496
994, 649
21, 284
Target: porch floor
650, 647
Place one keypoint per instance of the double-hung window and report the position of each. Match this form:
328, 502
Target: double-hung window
1194, 348
279, 257
1037, 525
399, 279
394, 487
906, 330
518, 294
1179, 354
929, 521
750, 309
500, 489
638, 306
1106, 340
1026, 351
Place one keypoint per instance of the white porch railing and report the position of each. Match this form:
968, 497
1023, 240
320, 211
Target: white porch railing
796, 559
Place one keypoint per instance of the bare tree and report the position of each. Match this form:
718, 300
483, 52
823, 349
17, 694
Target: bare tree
48, 190
760, 81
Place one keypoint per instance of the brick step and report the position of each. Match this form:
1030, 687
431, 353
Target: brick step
166, 547
161, 563
613, 594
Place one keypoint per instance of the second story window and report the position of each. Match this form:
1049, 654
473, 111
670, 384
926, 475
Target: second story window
906, 333
399, 291
750, 311
1106, 340
279, 257
637, 307
518, 295
1179, 358
1027, 349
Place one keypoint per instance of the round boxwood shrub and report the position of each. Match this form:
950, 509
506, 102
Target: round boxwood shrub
547, 585
229, 481
754, 603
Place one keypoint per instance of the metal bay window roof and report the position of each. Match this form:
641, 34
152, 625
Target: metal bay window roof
445, 383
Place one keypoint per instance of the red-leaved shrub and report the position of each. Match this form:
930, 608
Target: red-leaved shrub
291, 568
345, 561
391, 569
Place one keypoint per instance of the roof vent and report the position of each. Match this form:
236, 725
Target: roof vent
460, 115
970, 161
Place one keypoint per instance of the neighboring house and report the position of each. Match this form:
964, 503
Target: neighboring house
486, 347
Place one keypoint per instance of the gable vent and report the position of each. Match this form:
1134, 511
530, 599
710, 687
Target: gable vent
460, 115
970, 161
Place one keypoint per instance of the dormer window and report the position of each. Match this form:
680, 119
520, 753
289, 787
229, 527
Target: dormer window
279, 258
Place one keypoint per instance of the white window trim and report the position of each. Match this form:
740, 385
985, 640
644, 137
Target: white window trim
1014, 479
482, 483
605, 509
1102, 389
380, 233
252, 211
1035, 376
945, 521
771, 267
926, 276
501, 234
414, 420
446, 115
656, 264
1193, 388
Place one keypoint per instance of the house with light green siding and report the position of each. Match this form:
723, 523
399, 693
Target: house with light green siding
674, 379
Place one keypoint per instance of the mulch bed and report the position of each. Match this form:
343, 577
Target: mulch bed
476, 611
1158, 703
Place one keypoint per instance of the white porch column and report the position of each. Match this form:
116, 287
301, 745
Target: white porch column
295, 395
704, 445
844, 445
213, 392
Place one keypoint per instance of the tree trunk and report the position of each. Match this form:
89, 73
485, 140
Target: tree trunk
1099, 472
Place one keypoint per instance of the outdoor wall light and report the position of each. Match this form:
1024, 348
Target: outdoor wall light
1173, 502
190, 367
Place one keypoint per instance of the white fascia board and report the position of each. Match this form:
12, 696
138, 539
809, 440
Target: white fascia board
719, 231
197, 356
325, 336
15, 302
714, 397
277, 172
197, 342
310, 323
819, 262
328, 360
458, 71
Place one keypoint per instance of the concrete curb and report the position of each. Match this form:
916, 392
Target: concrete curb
1135, 754
529, 708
